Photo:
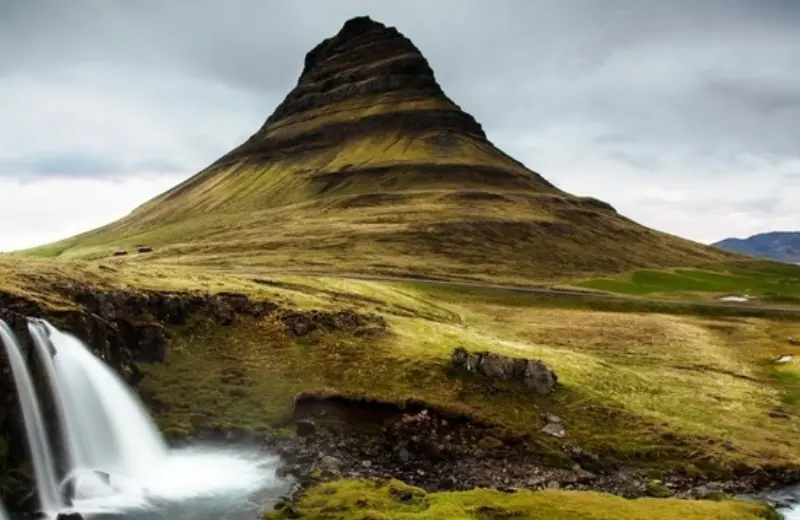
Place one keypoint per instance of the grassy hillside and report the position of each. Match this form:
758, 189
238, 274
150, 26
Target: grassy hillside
367, 166
630, 376
640, 368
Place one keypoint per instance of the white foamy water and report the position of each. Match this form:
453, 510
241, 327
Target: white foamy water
39, 447
117, 462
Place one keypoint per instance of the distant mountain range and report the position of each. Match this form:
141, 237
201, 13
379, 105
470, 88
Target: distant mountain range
783, 246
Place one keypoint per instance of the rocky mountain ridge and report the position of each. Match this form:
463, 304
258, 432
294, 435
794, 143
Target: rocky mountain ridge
782, 246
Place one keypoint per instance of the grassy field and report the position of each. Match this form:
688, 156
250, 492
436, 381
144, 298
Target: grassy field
630, 378
362, 500
630, 375
765, 281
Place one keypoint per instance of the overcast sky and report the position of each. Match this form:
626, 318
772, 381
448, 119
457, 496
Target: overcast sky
685, 115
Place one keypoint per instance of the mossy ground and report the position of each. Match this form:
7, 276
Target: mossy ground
365, 500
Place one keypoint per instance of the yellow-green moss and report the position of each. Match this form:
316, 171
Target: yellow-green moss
362, 500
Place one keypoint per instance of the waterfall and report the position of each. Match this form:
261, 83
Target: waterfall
113, 455
41, 455
105, 426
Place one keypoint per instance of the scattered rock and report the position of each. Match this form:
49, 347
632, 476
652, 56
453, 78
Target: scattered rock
119, 252
792, 341
532, 373
361, 325
553, 426
554, 430
786, 358
144, 249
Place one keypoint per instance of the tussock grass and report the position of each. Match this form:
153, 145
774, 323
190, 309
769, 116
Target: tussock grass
366, 500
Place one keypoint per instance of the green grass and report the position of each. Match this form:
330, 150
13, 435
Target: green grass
769, 281
365, 500
630, 379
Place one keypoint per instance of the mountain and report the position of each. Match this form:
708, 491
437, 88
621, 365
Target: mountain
783, 246
367, 166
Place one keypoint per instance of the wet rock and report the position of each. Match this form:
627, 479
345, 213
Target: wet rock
305, 427
706, 491
69, 516
532, 373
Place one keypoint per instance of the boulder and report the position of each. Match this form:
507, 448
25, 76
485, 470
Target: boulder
533, 373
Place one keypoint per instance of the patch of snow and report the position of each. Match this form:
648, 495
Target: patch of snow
737, 299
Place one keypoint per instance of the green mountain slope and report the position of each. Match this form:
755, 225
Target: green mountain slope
367, 166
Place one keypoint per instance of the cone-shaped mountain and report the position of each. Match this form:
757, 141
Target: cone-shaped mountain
367, 166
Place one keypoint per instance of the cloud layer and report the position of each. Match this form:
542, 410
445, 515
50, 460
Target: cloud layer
683, 115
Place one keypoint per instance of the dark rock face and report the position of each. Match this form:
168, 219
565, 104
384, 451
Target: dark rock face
532, 373
365, 58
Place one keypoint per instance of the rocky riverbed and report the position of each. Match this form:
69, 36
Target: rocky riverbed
436, 453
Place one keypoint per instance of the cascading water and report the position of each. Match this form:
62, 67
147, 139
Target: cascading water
115, 459
104, 424
41, 454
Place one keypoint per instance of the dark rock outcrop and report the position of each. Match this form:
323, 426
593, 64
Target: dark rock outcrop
304, 323
532, 373
365, 59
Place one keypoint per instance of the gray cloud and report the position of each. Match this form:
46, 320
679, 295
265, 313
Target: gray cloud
671, 98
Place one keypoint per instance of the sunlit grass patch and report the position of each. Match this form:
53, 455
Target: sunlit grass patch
367, 500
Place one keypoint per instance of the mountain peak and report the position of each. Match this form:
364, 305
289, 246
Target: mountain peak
368, 166
364, 58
